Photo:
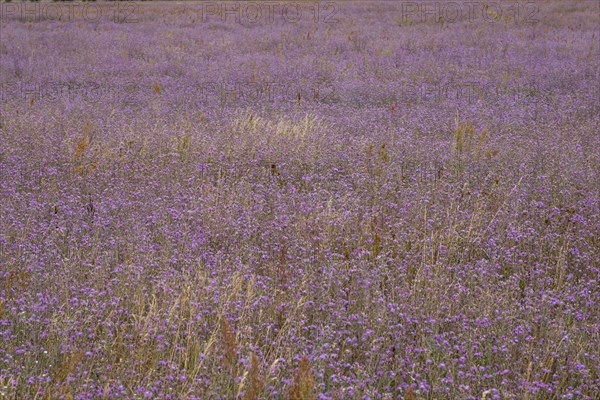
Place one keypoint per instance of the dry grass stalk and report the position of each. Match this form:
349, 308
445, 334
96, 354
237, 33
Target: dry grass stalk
229, 342
68, 364
410, 395
256, 379
303, 387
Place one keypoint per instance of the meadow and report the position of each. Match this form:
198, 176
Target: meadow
300, 200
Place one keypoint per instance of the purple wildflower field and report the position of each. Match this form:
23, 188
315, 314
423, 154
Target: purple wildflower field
300, 200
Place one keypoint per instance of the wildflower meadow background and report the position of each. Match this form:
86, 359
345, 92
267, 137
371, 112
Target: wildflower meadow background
300, 200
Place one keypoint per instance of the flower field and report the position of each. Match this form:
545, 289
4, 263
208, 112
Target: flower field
300, 200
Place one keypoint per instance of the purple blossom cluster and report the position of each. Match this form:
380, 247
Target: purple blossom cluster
171, 227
